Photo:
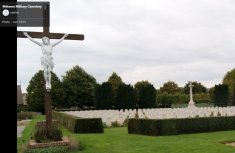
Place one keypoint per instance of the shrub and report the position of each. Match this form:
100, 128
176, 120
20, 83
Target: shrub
26, 115
212, 114
125, 123
79, 125
105, 125
180, 126
41, 134
115, 124
21, 108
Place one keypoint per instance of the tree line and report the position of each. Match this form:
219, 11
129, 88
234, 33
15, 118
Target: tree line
79, 89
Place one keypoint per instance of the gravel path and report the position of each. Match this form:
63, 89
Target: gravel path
21, 126
20, 130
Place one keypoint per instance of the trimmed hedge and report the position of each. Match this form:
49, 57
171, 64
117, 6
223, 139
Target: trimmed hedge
180, 126
79, 125
26, 115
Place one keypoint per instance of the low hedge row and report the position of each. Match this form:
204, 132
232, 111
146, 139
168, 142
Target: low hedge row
180, 126
79, 125
26, 115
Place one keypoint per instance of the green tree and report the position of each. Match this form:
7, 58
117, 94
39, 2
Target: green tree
167, 99
115, 81
202, 98
197, 88
35, 90
79, 88
104, 96
211, 93
221, 95
145, 94
229, 79
234, 95
170, 87
125, 97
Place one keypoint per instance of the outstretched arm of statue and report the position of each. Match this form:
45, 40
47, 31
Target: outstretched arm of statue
30, 38
66, 35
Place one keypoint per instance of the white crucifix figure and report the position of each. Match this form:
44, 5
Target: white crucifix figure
47, 59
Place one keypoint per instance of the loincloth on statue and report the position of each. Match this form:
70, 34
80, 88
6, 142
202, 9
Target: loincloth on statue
47, 61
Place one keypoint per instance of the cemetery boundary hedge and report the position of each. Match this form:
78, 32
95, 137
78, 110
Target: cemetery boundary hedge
79, 125
180, 126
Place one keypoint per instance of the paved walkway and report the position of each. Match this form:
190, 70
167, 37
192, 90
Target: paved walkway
21, 126
20, 130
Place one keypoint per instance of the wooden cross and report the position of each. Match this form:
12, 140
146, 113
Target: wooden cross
46, 33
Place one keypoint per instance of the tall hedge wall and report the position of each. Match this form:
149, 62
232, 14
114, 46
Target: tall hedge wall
180, 126
79, 125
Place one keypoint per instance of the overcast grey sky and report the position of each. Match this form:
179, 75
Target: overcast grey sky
154, 40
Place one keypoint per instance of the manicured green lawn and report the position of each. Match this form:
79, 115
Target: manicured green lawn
117, 140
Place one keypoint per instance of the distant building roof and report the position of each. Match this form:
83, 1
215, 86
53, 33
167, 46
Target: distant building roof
19, 95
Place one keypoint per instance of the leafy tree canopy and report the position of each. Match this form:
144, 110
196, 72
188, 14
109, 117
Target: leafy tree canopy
229, 79
35, 90
197, 88
145, 94
79, 87
115, 81
170, 87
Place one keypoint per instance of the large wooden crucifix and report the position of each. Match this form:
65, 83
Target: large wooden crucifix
46, 33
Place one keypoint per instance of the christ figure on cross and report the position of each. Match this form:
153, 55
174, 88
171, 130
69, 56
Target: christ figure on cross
46, 59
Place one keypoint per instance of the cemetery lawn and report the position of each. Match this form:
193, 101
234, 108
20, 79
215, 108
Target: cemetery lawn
117, 140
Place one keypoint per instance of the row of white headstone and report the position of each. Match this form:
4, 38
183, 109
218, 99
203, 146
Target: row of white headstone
109, 116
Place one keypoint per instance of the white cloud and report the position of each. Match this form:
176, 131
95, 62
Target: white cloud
140, 40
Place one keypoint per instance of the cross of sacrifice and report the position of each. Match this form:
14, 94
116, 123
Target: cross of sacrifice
191, 102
